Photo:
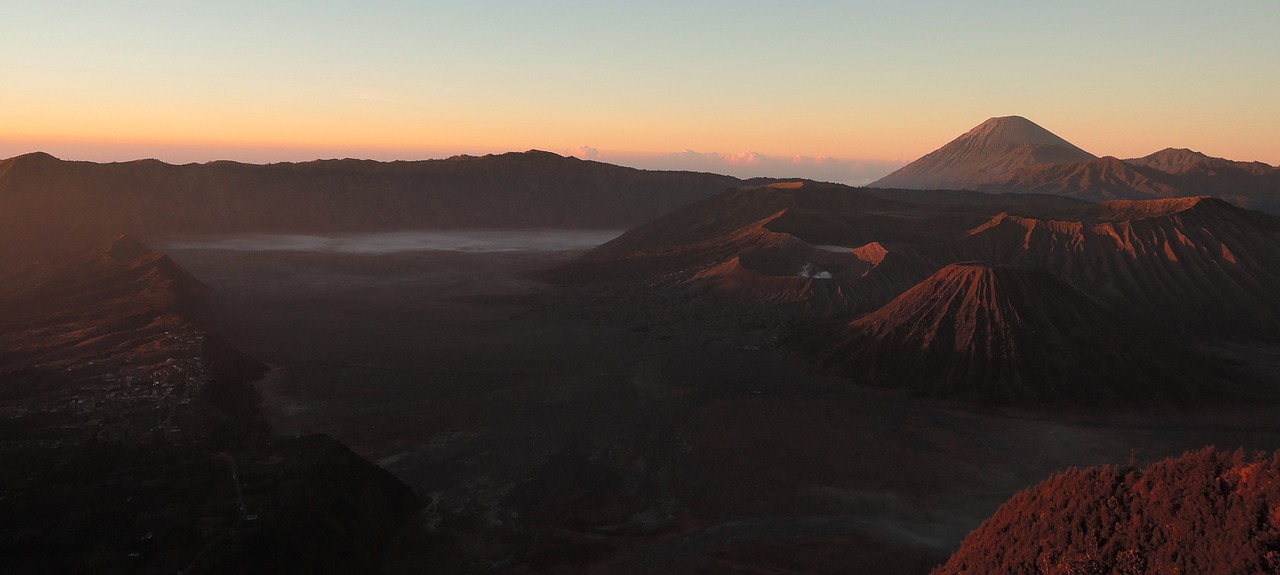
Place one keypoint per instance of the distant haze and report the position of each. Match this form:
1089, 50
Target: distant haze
847, 171
476, 241
741, 164
859, 81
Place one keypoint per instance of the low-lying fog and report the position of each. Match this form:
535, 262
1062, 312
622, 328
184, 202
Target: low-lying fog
478, 241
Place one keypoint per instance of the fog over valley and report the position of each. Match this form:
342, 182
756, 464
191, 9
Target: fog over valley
474, 241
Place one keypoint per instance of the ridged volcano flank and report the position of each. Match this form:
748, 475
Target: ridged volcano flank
1185, 161
1098, 179
1194, 265
985, 154
1000, 334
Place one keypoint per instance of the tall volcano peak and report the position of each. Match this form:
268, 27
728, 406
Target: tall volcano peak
1011, 132
985, 154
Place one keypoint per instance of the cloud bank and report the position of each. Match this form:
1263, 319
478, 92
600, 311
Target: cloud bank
754, 164
583, 153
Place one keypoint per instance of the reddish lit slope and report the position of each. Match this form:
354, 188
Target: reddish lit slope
1253, 185
984, 155
1184, 161
998, 334
1094, 180
1169, 173
117, 298
1194, 263
1207, 512
808, 244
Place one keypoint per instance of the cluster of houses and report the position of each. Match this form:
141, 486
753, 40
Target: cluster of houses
136, 395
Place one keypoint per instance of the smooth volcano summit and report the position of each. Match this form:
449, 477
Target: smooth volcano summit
994, 333
985, 155
1014, 155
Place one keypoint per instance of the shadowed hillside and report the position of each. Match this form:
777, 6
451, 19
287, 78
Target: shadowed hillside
133, 439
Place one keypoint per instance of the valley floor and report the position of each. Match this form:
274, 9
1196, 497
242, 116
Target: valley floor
556, 430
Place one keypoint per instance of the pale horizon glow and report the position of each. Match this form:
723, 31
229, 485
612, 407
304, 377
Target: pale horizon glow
830, 90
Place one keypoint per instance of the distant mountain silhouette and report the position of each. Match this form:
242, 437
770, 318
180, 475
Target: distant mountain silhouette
1183, 161
1094, 180
1250, 184
1014, 155
985, 155
48, 205
1206, 512
991, 333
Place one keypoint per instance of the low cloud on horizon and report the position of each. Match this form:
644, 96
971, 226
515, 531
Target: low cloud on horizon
753, 164
742, 164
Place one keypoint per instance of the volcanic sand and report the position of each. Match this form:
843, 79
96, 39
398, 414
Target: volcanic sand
556, 429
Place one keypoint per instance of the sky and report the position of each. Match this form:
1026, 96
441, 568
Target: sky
835, 90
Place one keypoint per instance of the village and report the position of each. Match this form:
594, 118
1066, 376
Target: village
140, 395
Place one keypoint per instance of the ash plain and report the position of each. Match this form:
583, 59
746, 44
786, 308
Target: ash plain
559, 428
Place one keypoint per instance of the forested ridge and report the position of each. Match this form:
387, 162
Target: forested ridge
1207, 512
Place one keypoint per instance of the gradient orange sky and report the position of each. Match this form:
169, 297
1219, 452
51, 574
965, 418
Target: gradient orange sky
866, 85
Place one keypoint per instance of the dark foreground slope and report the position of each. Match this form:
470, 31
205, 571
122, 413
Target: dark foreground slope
132, 439
48, 203
991, 333
1206, 512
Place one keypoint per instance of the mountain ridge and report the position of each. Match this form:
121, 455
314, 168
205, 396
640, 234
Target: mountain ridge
1018, 159
50, 207
1184, 160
